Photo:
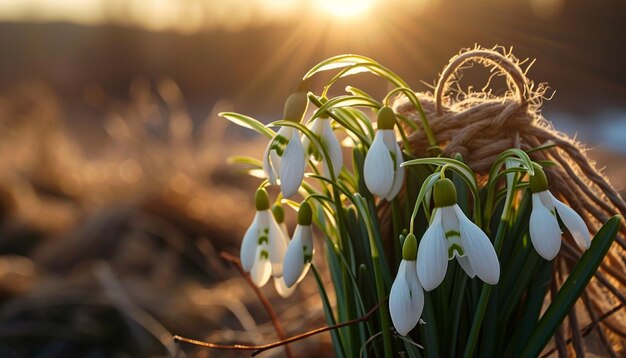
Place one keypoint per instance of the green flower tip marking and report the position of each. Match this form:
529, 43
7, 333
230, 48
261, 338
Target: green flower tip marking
539, 181
444, 193
386, 118
295, 106
305, 214
261, 200
279, 213
409, 249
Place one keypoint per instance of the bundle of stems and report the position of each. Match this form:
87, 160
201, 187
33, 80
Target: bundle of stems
415, 197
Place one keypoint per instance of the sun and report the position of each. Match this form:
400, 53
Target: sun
347, 8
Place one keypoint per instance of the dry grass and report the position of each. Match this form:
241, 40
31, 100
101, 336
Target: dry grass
111, 225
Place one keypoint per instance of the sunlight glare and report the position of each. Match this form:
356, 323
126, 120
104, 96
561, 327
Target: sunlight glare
347, 8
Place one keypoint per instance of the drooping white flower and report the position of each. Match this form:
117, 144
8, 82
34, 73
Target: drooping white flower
406, 300
284, 157
279, 282
451, 234
545, 233
322, 129
300, 250
382, 171
264, 245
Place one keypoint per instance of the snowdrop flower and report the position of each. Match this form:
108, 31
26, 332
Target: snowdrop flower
322, 129
300, 250
451, 234
382, 171
284, 155
545, 233
264, 245
279, 282
406, 300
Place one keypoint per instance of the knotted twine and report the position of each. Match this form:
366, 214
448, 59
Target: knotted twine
480, 126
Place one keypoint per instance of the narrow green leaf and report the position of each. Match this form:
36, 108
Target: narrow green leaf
466, 173
330, 317
532, 308
248, 122
462, 169
347, 101
339, 61
428, 331
255, 163
572, 288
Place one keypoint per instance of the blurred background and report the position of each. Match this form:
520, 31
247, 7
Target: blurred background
115, 194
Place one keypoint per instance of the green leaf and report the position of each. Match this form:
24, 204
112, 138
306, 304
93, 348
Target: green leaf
255, 163
339, 116
347, 101
547, 145
466, 173
339, 61
572, 288
248, 122
353, 64
427, 186
340, 351
462, 169
532, 309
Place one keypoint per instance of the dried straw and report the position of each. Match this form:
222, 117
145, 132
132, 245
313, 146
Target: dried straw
479, 126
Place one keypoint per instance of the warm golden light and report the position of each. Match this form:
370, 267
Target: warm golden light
347, 8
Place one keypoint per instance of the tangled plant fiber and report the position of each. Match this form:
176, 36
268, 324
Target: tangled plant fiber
479, 126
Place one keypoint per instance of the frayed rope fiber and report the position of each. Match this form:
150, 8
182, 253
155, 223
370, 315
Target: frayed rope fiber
480, 126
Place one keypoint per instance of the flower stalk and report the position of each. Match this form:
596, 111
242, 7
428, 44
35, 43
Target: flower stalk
363, 207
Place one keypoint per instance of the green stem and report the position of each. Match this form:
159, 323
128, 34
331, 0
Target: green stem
572, 288
486, 291
378, 276
330, 317
384, 310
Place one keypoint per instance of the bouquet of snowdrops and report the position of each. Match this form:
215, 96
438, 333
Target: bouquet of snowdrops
456, 262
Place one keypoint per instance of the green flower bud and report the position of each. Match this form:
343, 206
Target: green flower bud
305, 214
539, 181
295, 106
261, 200
444, 193
409, 249
279, 213
386, 118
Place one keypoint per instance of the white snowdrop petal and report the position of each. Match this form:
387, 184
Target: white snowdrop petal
292, 167
277, 245
432, 255
546, 199
261, 270
283, 228
294, 259
389, 138
406, 299
315, 128
398, 177
466, 266
378, 167
478, 249
574, 223
545, 233
307, 248
250, 241
281, 287
333, 148
267, 164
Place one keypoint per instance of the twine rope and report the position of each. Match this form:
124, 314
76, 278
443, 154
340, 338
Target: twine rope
480, 126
